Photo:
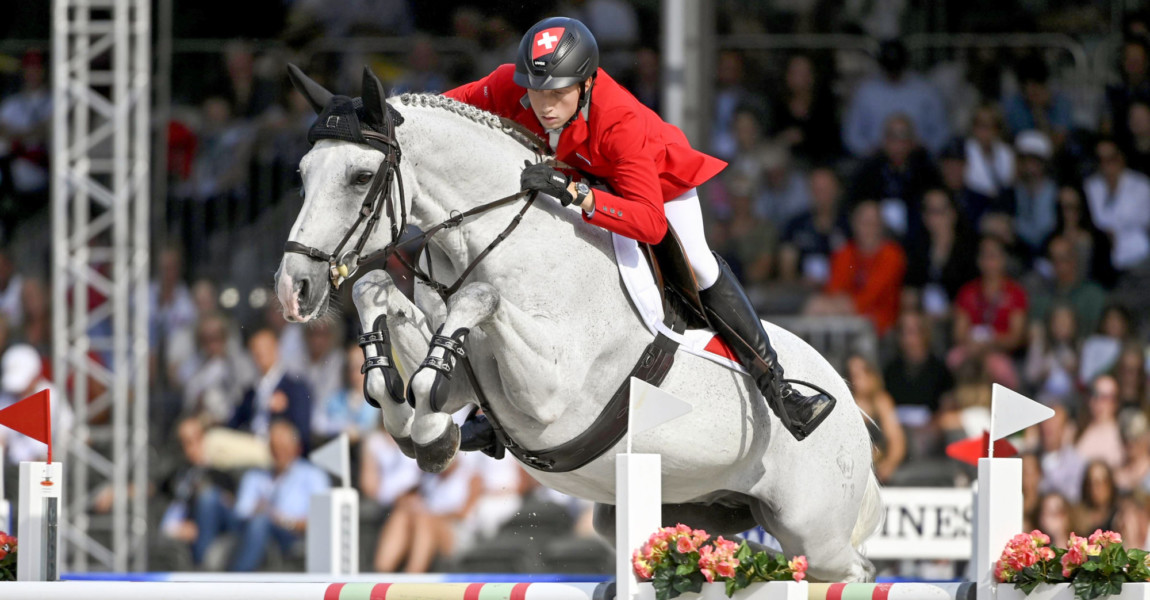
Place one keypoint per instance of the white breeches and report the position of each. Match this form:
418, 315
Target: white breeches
686, 217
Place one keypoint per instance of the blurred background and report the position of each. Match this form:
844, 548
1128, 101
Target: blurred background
937, 194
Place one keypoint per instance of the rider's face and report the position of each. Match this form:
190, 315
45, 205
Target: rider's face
554, 108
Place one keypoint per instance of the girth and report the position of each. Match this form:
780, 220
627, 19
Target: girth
611, 424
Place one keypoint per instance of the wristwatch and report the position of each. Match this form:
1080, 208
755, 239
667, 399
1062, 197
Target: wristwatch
582, 189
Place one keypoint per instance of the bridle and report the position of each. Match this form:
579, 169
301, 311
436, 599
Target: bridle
380, 200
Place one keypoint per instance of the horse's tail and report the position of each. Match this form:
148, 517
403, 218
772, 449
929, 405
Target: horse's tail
870, 513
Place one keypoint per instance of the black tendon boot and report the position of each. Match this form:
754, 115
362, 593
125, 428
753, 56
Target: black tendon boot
733, 317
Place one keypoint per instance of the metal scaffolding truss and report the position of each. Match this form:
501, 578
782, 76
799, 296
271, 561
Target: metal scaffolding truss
100, 178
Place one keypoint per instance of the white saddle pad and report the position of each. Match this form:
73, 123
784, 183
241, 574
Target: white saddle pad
644, 294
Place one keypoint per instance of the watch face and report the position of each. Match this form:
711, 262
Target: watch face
582, 188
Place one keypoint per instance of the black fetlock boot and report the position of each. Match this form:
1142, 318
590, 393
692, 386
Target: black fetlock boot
733, 317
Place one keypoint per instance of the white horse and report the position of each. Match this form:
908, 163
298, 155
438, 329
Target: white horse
551, 334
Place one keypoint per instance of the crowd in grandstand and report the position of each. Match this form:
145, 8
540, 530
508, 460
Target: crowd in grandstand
987, 227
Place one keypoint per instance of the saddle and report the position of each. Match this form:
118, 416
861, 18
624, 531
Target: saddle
676, 280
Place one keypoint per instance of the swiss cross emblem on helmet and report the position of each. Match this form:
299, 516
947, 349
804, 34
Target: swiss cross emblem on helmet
546, 41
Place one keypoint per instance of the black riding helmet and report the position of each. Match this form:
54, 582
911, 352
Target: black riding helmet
555, 53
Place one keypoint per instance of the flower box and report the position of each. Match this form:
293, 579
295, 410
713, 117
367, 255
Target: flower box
769, 590
1063, 591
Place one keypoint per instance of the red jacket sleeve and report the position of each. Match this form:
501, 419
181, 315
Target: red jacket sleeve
636, 209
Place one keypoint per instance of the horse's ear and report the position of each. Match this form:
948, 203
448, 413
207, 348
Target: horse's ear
315, 93
374, 98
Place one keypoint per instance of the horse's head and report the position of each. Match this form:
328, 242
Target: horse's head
338, 222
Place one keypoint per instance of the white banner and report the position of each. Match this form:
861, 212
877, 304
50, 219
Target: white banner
929, 523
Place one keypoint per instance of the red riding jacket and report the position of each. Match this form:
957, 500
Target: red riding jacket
619, 140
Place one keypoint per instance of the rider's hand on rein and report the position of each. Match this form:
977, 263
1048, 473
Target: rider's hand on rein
541, 177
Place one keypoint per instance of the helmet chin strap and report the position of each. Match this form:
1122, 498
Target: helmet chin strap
584, 100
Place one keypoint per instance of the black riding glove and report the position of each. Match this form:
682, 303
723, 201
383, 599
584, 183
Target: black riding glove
544, 178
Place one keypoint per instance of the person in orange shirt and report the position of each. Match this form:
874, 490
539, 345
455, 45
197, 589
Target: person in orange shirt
866, 274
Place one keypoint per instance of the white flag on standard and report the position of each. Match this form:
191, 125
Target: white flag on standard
335, 458
1011, 412
651, 407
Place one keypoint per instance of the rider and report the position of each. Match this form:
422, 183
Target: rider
556, 89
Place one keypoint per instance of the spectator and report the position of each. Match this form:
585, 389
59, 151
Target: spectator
422, 73
21, 375
25, 119
197, 492
1119, 201
895, 91
811, 238
989, 160
783, 192
346, 409
646, 82
170, 308
943, 260
866, 274
730, 96
36, 325
422, 528
1031, 481
1052, 355
916, 378
277, 394
1068, 286
322, 366
1130, 373
389, 480
952, 171
248, 94
1099, 499
990, 316
872, 398
1062, 466
897, 176
1134, 87
11, 287
1138, 145
749, 243
1099, 433
214, 378
271, 506
1132, 521
1053, 517
1037, 106
750, 148
803, 114
1093, 247
1101, 350
1132, 476
1035, 193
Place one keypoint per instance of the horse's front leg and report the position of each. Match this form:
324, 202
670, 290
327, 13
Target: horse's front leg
530, 383
395, 338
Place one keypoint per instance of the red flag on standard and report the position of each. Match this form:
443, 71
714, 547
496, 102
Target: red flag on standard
30, 416
973, 448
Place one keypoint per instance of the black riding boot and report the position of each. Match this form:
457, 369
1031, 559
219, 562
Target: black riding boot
733, 317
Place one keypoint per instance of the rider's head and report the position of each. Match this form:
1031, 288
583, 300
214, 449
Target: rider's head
557, 62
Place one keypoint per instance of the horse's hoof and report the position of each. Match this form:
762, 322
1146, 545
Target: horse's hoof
436, 456
406, 446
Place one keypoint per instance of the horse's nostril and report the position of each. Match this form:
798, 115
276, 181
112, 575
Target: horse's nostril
303, 289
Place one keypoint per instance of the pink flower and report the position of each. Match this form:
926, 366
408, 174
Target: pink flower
1105, 538
685, 545
1045, 554
1040, 538
726, 568
798, 566
1003, 573
727, 547
642, 568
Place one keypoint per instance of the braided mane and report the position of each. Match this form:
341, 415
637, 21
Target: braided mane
475, 114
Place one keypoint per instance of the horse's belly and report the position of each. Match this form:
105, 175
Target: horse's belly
718, 445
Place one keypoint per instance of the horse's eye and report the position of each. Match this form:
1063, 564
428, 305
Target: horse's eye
363, 177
